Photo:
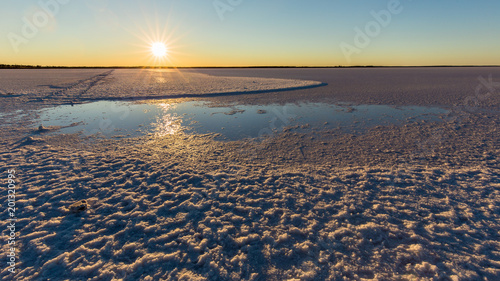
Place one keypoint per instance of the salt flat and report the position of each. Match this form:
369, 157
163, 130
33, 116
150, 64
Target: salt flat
55, 86
411, 201
425, 86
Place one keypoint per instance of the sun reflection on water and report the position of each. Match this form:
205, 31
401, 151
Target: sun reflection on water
166, 122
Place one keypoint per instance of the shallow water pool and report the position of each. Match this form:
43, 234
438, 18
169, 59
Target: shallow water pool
129, 119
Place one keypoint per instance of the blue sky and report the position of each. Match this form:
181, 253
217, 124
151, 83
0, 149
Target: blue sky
250, 32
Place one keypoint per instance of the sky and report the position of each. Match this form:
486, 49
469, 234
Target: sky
250, 32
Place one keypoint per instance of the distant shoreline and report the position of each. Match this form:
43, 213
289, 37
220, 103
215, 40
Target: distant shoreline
10, 66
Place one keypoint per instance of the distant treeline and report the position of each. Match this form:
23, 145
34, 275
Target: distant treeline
15, 66
18, 66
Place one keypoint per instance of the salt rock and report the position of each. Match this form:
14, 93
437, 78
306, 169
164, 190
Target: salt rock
78, 207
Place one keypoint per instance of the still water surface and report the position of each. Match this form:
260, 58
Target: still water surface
129, 119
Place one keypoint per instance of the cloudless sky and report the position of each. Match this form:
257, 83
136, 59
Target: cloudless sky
250, 33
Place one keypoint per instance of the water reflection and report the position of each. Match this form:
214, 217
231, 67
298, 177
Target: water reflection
166, 123
128, 119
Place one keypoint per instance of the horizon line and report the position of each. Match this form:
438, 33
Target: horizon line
23, 66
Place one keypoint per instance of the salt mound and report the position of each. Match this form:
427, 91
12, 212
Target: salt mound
132, 83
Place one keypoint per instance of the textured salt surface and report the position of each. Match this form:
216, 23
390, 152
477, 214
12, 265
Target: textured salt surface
37, 82
419, 201
190, 207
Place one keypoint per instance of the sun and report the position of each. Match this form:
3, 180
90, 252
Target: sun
159, 49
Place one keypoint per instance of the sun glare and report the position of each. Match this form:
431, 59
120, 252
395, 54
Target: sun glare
159, 49
159, 46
